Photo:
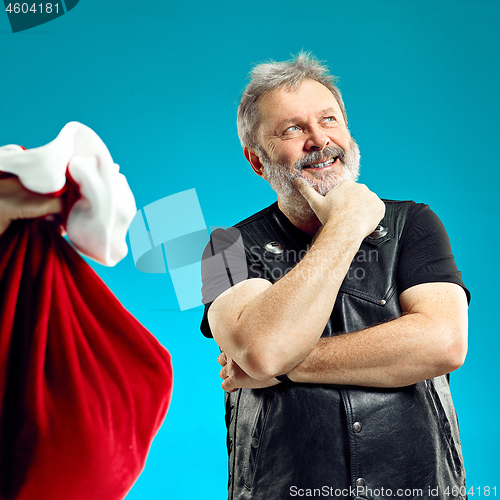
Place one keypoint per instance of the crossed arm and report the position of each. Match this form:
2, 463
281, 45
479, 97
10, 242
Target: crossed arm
266, 330
429, 340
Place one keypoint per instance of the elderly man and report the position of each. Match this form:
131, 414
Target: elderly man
339, 331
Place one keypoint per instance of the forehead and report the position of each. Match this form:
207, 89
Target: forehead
309, 100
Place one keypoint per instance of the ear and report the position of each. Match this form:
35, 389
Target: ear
254, 161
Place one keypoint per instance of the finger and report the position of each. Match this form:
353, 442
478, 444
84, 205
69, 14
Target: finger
222, 359
228, 386
39, 206
17, 202
27, 208
223, 373
307, 191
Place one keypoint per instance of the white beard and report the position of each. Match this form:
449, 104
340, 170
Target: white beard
280, 177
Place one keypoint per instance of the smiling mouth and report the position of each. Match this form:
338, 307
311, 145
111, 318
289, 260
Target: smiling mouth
323, 164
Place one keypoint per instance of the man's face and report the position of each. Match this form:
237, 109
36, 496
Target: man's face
303, 134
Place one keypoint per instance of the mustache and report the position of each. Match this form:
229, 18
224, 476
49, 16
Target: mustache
325, 154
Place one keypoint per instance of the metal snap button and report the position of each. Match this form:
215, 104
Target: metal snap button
380, 231
356, 427
255, 442
274, 247
360, 482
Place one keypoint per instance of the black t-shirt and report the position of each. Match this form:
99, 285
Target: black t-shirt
425, 255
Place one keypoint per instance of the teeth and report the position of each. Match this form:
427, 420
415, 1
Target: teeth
324, 164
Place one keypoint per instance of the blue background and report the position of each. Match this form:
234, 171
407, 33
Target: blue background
159, 81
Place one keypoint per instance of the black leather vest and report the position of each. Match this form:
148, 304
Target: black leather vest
298, 440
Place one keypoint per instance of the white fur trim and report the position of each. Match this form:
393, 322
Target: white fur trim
99, 220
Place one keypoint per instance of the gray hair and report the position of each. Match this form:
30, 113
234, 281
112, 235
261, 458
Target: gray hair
272, 75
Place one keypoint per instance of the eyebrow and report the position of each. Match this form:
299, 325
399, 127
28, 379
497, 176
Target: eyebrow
296, 119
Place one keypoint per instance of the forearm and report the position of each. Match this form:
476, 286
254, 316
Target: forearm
401, 352
281, 325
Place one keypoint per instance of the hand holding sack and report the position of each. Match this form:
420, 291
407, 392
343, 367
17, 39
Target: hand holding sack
84, 386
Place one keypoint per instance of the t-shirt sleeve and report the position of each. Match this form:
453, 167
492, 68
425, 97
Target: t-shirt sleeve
224, 264
425, 255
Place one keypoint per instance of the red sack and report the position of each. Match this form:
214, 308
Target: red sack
84, 386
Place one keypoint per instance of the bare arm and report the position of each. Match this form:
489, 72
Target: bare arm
269, 329
428, 341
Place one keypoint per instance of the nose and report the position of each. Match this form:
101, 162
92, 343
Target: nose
317, 140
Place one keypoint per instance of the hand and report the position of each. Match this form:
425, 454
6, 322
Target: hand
348, 202
235, 378
16, 202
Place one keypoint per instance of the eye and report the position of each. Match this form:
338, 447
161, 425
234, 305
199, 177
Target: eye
293, 128
330, 119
